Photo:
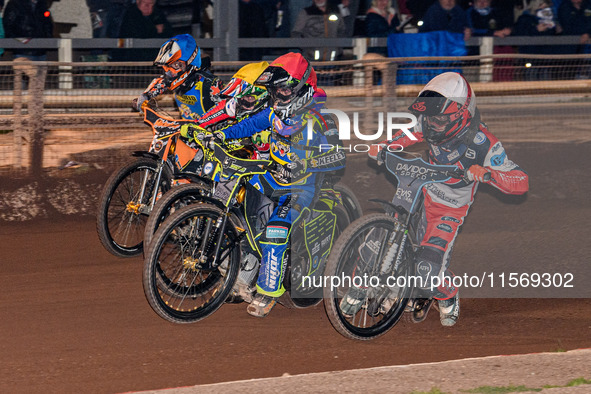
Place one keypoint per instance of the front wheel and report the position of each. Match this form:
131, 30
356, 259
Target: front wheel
358, 270
124, 205
182, 282
175, 199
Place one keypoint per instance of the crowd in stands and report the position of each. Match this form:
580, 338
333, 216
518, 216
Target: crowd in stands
316, 19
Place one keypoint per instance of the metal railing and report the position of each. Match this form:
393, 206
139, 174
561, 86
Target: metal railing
51, 110
226, 49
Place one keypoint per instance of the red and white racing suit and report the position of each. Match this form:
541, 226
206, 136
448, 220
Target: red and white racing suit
447, 204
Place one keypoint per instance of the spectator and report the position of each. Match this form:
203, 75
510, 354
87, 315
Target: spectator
99, 14
28, 19
321, 20
277, 17
381, 20
418, 8
505, 9
206, 19
117, 10
537, 20
575, 18
251, 24
142, 20
485, 20
446, 15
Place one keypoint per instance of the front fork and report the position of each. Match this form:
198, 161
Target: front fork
143, 208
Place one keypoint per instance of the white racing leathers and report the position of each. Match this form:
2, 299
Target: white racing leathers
447, 204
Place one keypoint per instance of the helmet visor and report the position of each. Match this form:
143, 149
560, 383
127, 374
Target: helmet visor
431, 103
438, 123
281, 94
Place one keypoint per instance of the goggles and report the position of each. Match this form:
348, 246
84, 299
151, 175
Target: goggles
281, 95
175, 66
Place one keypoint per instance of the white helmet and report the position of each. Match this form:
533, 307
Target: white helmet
448, 105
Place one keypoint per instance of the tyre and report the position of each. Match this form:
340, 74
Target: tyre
299, 265
350, 201
381, 306
180, 282
121, 216
173, 200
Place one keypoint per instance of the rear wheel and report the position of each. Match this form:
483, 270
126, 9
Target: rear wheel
302, 297
350, 201
124, 206
359, 253
181, 281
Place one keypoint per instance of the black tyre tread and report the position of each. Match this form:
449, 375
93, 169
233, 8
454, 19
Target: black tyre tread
161, 234
164, 203
111, 185
333, 261
288, 302
344, 189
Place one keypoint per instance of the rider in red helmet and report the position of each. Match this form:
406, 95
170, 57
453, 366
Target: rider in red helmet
449, 122
300, 165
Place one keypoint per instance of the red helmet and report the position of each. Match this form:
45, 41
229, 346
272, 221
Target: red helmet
447, 105
291, 83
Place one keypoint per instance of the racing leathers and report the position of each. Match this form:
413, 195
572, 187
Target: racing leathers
194, 94
447, 204
300, 166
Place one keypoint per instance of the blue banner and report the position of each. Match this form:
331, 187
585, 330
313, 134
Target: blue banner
436, 43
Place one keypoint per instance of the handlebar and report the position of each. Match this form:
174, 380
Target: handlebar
461, 174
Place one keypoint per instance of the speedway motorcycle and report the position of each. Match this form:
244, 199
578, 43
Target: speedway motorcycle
377, 253
206, 254
193, 192
129, 195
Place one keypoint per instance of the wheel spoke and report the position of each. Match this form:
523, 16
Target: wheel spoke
183, 285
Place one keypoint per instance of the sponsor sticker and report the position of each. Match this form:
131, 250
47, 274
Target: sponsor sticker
445, 227
479, 138
208, 168
277, 232
450, 219
497, 160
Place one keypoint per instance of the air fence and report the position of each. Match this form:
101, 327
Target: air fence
54, 112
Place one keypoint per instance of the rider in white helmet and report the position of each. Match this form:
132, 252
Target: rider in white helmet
449, 121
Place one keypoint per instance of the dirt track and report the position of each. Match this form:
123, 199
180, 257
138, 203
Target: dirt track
74, 318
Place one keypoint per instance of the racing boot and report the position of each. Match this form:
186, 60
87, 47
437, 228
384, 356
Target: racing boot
449, 310
261, 305
353, 301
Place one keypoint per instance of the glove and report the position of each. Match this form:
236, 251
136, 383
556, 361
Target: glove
209, 138
137, 103
298, 167
375, 149
476, 173
188, 131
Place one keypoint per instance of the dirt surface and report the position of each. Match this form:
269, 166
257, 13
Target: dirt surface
74, 318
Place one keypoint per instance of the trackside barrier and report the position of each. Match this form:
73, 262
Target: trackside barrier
39, 98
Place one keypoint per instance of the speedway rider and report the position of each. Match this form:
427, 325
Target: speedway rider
239, 98
448, 120
295, 101
185, 73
